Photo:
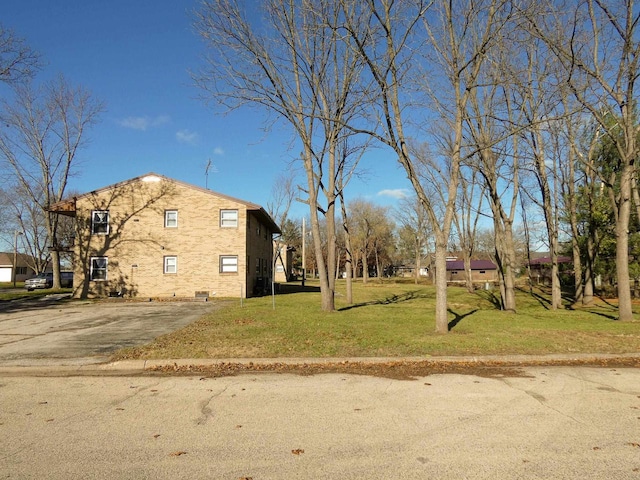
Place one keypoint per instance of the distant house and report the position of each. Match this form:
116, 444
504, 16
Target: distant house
481, 271
23, 270
153, 236
283, 260
540, 267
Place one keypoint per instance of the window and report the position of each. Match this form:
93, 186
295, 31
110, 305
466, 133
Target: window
21, 270
98, 268
228, 264
171, 264
100, 222
229, 218
171, 218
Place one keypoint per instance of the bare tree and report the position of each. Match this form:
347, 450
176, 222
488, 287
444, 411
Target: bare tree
42, 133
597, 43
416, 229
466, 218
459, 34
295, 65
17, 61
283, 193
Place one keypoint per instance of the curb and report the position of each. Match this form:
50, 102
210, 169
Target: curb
98, 366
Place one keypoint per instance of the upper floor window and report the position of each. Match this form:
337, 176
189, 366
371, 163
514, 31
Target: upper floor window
228, 218
171, 218
100, 222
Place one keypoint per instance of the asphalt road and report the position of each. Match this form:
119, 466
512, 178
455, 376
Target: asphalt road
556, 422
83, 332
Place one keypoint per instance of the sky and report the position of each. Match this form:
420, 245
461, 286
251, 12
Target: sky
135, 56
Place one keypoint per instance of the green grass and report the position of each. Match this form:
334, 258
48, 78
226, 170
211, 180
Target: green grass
394, 319
8, 292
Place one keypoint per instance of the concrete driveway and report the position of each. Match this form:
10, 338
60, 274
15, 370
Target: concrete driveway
45, 331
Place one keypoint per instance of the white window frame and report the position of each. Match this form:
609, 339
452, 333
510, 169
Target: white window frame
94, 223
170, 264
170, 222
228, 264
229, 218
92, 269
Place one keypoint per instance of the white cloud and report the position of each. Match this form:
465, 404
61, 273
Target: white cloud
144, 123
218, 151
187, 136
397, 193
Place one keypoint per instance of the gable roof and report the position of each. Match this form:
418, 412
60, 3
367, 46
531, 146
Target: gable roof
475, 265
68, 207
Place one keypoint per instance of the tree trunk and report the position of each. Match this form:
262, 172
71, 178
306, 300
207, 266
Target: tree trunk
625, 310
417, 262
442, 316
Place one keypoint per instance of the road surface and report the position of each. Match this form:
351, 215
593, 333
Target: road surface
549, 422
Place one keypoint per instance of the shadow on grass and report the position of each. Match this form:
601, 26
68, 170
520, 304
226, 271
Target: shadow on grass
491, 297
458, 318
387, 301
287, 288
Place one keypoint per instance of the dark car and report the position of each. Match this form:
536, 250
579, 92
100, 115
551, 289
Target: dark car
45, 280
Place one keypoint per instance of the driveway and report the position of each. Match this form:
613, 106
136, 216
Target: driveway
46, 331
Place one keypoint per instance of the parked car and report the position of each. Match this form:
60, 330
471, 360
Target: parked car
45, 280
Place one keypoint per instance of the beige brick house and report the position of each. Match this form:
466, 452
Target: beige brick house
156, 237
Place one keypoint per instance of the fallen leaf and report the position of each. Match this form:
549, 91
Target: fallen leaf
119, 408
177, 454
245, 478
238, 426
42, 403
156, 435
297, 451
633, 444
596, 448
49, 420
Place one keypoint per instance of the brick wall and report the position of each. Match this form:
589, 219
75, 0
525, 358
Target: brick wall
138, 242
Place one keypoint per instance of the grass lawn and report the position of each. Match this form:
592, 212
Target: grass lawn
393, 319
8, 292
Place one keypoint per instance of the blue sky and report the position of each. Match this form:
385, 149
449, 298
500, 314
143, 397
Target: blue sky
135, 55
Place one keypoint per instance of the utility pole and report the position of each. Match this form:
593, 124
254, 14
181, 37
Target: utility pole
15, 256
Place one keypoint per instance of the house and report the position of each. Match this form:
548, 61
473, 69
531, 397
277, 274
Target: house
283, 262
481, 271
540, 267
23, 270
154, 236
